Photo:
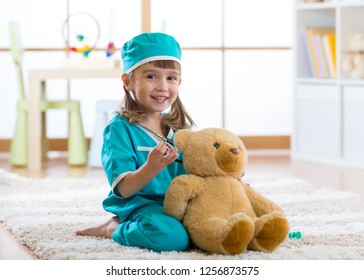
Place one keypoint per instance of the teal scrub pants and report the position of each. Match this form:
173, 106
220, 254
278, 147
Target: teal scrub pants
149, 227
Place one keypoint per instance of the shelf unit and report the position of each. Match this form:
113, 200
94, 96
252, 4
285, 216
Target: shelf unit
328, 112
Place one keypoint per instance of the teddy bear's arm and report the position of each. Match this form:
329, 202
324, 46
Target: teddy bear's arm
182, 189
261, 204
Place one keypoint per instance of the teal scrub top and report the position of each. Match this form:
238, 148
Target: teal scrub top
125, 149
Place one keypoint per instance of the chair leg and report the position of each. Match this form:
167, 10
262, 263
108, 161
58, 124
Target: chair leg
94, 157
19, 143
77, 146
44, 136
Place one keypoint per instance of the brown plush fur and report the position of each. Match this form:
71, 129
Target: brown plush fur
221, 214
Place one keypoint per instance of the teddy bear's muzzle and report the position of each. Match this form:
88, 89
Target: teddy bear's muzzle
229, 158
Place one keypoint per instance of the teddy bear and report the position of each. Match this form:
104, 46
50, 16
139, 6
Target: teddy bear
220, 212
353, 62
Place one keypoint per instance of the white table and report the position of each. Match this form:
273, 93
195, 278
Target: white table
37, 82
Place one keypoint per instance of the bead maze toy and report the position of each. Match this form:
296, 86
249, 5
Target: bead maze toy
81, 33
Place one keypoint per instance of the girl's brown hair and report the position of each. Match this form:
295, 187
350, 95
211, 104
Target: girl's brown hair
177, 118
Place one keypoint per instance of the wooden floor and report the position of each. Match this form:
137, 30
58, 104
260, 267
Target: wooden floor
335, 177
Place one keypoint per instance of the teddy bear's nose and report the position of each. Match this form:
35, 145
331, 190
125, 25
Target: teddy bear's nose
234, 151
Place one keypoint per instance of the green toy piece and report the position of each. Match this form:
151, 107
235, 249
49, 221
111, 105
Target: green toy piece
297, 235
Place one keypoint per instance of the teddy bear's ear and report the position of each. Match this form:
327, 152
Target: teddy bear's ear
180, 138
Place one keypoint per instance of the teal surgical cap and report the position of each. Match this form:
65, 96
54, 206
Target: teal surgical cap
148, 47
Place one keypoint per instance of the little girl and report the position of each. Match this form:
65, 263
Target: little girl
139, 165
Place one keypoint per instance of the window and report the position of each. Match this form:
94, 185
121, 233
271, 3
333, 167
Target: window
237, 61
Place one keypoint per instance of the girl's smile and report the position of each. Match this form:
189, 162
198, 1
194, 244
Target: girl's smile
160, 99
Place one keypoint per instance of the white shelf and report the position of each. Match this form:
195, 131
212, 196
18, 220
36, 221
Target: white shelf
317, 6
328, 112
316, 81
330, 81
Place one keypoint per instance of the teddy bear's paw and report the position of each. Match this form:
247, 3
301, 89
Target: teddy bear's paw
239, 236
270, 231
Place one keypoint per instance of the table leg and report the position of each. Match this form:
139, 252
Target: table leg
34, 125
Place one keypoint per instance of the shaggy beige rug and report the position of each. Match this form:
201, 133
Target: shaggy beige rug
43, 214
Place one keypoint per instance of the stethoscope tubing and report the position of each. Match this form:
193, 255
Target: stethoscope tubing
164, 139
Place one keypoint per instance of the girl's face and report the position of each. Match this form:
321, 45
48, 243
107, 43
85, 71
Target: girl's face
155, 89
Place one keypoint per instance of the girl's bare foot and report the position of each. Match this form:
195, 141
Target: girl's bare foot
103, 230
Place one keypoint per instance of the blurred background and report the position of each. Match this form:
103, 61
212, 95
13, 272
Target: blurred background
237, 60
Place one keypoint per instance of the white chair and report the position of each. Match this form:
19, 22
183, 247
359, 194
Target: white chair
104, 109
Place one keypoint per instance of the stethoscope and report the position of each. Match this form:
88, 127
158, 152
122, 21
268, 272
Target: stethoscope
165, 140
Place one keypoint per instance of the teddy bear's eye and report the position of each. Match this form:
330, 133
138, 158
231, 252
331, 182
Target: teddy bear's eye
216, 145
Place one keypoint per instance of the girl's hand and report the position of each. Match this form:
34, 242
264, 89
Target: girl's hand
161, 156
158, 158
